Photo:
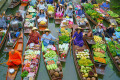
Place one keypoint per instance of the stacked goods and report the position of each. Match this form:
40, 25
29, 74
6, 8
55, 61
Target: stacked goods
86, 65
53, 66
112, 14
92, 13
118, 20
50, 9
66, 21
30, 17
99, 50
31, 62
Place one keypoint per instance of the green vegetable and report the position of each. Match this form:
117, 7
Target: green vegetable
99, 54
112, 14
24, 74
85, 62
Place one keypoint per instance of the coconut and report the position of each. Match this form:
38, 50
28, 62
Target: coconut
61, 74
52, 72
56, 74
57, 70
93, 78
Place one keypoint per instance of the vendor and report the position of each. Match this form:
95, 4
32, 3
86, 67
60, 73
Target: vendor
14, 58
93, 2
34, 36
42, 16
58, 4
62, 2
41, 6
2, 22
47, 38
105, 5
99, 30
83, 1
18, 16
110, 30
60, 10
78, 37
69, 11
80, 12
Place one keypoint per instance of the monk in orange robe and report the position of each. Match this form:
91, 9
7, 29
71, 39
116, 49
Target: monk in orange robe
14, 58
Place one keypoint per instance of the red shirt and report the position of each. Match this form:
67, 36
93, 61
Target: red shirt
34, 36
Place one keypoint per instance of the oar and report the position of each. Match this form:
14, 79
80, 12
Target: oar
48, 39
6, 62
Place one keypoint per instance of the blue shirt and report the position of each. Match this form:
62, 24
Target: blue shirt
48, 37
2, 23
62, 2
41, 15
104, 5
80, 12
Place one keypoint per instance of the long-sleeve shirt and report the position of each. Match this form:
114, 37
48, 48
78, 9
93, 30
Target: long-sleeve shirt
110, 31
47, 37
80, 12
59, 10
2, 22
104, 5
69, 12
41, 6
77, 36
34, 36
62, 2
41, 15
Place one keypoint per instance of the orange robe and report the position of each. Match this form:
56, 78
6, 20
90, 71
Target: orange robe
15, 58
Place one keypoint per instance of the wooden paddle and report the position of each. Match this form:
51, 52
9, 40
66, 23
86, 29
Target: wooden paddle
6, 62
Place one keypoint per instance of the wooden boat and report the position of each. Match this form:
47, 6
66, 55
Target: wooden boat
40, 26
36, 47
10, 45
76, 49
4, 38
14, 4
28, 29
58, 19
53, 77
112, 58
25, 2
18, 47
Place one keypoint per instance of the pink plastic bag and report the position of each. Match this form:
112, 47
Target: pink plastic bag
53, 48
70, 22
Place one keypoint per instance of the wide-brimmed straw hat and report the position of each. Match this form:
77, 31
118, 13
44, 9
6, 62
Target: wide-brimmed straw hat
47, 30
70, 6
108, 0
112, 24
34, 28
60, 4
79, 28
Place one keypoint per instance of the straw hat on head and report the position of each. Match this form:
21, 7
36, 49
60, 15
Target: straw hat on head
34, 28
79, 28
70, 6
60, 4
108, 0
47, 30
113, 24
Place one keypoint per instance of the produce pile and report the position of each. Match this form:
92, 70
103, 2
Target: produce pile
31, 63
30, 17
53, 66
99, 50
92, 13
118, 20
115, 51
118, 29
112, 14
50, 9
66, 21
85, 64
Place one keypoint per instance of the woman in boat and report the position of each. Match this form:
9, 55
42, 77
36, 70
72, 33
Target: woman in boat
105, 5
14, 58
47, 38
78, 37
110, 30
80, 12
83, 1
93, 2
60, 10
42, 16
99, 30
34, 36
69, 12
18, 16
41, 6
2, 22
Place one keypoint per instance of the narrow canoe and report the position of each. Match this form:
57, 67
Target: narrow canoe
37, 47
50, 75
18, 47
76, 49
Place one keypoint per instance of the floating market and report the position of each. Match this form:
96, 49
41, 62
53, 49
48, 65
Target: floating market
59, 40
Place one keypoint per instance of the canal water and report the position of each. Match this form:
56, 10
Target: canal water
69, 70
